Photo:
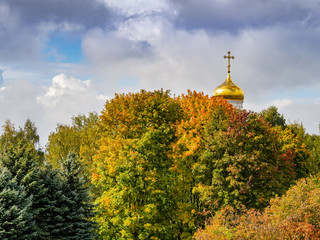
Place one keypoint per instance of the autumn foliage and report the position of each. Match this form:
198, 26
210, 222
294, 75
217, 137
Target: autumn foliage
168, 167
166, 164
294, 216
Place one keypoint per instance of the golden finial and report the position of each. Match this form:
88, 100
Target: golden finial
229, 57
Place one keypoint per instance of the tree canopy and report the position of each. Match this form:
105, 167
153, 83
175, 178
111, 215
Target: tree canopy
167, 163
160, 166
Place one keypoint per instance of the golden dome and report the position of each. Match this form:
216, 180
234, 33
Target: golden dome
229, 90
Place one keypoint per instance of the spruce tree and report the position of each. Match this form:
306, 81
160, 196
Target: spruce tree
52, 206
78, 209
59, 201
21, 160
16, 218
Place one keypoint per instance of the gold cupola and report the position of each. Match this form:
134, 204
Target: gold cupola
229, 90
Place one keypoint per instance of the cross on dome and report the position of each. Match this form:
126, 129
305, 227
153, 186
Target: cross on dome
229, 57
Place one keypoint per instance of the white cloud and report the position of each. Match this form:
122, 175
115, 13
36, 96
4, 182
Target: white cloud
4, 12
63, 86
47, 106
68, 96
104, 49
18, 102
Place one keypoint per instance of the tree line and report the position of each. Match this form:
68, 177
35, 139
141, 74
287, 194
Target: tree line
157, 166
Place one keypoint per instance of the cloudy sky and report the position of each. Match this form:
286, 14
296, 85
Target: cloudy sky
59, 58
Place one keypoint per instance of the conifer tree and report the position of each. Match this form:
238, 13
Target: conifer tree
19, 160
77, 211
48, 204
43, 185
16, 219
59, 201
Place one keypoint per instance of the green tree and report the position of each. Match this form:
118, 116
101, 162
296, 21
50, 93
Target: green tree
27, 135
48, 204
65, 211
194, 170
313, 145
272, 116
60, 204
16, 218
296, 146
133, 167
227, 156
19, 159
80, 138
78, 212
249, 165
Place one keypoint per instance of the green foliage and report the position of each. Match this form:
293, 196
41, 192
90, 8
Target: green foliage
27, 135
133, 168
296, 147
19, 160
194, 172
272, 116
65, 207
81, 138
78, 210
49, 204
303, 148
249, 167
313, 145
59, 203
16, 218
230, 157
160, 167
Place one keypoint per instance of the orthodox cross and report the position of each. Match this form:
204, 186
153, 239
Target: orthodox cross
229, 57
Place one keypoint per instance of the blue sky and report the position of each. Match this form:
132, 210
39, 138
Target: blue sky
59, 58
63, 47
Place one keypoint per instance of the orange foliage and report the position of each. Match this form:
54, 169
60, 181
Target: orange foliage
198, 109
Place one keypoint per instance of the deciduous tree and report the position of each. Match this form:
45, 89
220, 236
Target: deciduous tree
272, 116
80, 138
27, 135
133, 167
